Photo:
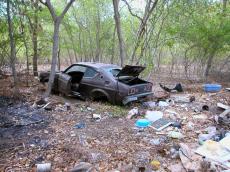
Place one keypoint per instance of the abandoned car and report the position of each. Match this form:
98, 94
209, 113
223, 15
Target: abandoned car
101, 81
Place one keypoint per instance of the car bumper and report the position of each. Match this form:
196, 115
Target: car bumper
135, 97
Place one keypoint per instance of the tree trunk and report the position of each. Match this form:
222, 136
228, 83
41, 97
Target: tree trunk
209, 65
27, 60
26, 50
80, 45
142, 28
35, 40
98, 28
119, 31
12, 44
59, 61
113, 44
54, 56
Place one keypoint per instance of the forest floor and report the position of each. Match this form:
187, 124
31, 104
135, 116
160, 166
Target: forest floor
64, 136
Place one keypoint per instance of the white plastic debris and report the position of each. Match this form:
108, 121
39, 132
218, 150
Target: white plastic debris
132, 113
97, 117
175, 135
46, 167
163, 104
153, 115
150, 104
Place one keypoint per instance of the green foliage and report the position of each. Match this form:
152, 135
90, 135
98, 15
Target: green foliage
195, 28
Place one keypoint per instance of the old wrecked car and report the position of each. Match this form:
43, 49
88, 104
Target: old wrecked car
101, 81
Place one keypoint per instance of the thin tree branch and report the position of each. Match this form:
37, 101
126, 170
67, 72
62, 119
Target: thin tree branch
50, 7
130, 10
66, 8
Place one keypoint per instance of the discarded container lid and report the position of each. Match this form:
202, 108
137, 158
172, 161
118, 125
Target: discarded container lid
142, 123
212, 87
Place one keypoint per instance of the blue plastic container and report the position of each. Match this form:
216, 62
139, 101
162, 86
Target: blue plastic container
142, 123
212, 87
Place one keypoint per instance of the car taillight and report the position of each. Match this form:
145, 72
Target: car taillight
148, 87
133, 91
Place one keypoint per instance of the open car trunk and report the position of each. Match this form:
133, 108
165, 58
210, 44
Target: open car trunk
129, 75
132, 81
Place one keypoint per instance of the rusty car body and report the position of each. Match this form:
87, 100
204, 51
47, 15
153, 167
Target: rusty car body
101, 81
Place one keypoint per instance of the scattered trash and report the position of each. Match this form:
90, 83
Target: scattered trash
175, 135
158, 141
212, 87
183, 99
177, 88
61, 108
96, 117
160, 124
41, 102
177, 168
223, 120
142, 123
153, 115
205, 108
174, 152
83, 167
176, 124
200, 117
225, 142
223, 106
215, 151
162, 95
187, 158
163, 104
206, 165
171, 111
90, 109
149, 104
48, 107
132, 113
190, 126
211, 131
224, 117
67, 106
45, 167
80, 125
155, 165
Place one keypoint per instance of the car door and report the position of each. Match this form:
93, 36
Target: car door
65, 79
88, 81
64, 83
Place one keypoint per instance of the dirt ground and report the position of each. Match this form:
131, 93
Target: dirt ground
67, 134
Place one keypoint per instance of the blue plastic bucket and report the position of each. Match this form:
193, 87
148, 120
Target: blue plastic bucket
212, 87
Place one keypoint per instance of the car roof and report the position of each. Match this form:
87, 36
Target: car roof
97, 65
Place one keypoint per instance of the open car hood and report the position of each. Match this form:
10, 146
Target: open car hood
130, 71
